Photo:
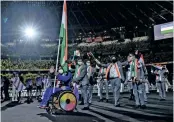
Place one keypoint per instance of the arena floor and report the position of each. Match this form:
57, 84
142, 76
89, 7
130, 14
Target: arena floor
157, 111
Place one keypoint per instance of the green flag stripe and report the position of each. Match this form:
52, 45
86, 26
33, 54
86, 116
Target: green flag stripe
63, 47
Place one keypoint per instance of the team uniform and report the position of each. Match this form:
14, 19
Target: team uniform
114, 74
137, 72
103, 82
82, 79
15, 81
38, 86
29, 87
65, 80
90, 73
160, 81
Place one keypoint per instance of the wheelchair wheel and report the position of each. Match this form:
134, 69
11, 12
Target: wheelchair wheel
50, 108
55, 99
67, 101
52, 103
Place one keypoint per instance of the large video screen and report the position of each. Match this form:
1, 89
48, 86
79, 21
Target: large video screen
163, 31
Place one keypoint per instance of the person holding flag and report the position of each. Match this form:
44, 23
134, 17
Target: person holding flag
137, 75
65, 79
63, 37
167, 84
64, 76
128, 80
160, 80
144, 74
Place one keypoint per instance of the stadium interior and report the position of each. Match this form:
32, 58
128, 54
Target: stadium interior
30, 37
92, 26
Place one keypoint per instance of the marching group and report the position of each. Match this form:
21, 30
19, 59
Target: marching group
112, 73
83, 72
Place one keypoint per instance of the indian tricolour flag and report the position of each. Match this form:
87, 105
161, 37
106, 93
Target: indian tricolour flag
64, 38
168, 28
133, 68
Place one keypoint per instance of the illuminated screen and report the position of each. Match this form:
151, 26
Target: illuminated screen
163, 31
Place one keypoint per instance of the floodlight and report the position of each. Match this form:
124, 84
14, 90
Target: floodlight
30, 32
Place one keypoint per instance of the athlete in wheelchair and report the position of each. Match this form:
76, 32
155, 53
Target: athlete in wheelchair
64, 97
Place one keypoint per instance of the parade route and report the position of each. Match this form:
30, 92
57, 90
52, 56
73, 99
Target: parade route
156, 111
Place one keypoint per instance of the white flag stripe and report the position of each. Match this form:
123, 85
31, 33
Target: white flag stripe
167, 28
64, 17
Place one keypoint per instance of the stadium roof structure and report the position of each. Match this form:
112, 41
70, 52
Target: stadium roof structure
84, 17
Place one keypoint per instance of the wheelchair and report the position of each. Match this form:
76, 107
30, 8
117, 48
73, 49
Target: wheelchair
62, 101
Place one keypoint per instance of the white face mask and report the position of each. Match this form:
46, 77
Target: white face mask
79, 62
88, 64
70, 68
60, 71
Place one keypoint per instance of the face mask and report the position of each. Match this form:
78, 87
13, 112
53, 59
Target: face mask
79, 63
113, 60
70, 68
137, 56
88, 64
60, 71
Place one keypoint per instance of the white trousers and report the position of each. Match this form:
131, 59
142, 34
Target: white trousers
167, 84
98, 88
122, 87
157, 90
167, 87
146, 87
14, 94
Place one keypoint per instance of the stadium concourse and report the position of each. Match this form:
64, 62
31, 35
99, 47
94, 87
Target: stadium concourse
84, 51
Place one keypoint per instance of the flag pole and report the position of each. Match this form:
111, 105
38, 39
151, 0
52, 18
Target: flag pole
57, 62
